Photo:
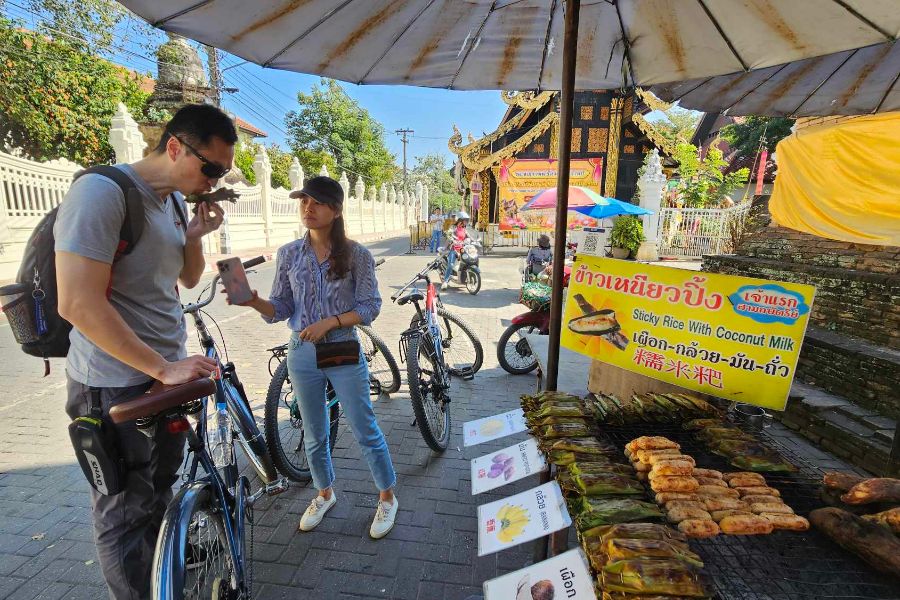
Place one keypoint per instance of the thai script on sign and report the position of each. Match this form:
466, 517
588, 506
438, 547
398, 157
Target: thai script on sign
691, 293
769, 303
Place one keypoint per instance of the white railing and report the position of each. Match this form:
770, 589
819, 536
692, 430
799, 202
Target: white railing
283, 205
691, 233
32, 189
249, 205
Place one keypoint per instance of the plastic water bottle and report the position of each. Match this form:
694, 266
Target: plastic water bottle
219, 438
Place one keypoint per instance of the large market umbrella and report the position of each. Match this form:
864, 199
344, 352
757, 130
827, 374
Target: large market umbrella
515, 44
578, 197
610, 207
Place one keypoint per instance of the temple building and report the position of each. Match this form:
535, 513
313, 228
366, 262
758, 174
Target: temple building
610, 136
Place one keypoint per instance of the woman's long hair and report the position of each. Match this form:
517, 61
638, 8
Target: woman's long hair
340, 248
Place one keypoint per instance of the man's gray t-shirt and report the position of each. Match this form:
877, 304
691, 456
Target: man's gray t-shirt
144, 282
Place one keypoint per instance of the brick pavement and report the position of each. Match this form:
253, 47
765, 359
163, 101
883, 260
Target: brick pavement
46, 548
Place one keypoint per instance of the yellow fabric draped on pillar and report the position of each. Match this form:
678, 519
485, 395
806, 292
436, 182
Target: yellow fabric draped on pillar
842, 181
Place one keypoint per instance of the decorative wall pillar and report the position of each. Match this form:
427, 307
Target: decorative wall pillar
295, 174
324, 171
359, 191
383, 207
345, 185
262, 168
125, 137
651, 186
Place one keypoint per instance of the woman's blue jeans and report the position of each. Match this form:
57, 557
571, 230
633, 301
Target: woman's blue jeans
351, 383
435, 243
451, 260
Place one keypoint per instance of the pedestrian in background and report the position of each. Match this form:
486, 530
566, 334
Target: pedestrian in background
437, 225
324, 285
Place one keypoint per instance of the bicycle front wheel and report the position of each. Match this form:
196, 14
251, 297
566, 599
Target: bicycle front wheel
192, 559
284, 427
432, 413
383, 368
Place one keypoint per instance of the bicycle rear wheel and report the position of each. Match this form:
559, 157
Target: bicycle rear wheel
432, 414
284, 427
382, 366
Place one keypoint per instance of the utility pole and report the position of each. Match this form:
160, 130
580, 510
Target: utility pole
403, 138
215, 76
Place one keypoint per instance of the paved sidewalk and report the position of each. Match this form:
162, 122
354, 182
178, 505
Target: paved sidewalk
46, 548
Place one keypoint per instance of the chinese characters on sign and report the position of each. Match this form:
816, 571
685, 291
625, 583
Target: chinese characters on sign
733, 337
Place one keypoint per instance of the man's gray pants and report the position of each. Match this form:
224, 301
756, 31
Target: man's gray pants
126, 525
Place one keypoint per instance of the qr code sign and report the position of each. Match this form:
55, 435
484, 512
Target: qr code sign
591, 241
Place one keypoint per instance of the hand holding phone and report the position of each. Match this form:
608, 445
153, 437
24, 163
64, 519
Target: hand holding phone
235, 280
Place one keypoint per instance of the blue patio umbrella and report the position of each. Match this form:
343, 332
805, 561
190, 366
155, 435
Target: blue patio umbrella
610, 207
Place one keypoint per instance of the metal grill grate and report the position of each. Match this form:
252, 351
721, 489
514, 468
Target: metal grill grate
782, 565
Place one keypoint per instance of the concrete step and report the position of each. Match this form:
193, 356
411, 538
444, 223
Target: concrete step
854, 433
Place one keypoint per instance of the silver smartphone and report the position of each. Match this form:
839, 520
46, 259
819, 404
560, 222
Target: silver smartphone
235, 280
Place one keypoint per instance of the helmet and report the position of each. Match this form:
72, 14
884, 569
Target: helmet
544, 241
462, 215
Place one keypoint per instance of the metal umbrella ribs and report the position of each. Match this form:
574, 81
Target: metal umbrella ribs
598, 322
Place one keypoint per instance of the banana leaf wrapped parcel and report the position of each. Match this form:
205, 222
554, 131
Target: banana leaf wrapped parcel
600, 484
590, 466
616, 550
635, 531
578, 445
592, 512
533, 402
579, 428
668, 577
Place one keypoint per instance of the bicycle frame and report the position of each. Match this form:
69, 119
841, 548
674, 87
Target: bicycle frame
428, 319
230, 490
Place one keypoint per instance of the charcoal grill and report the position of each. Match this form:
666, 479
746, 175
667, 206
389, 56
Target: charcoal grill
782, 565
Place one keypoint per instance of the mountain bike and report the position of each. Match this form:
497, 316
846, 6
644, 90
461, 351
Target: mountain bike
202, 549
283, 422
437, 346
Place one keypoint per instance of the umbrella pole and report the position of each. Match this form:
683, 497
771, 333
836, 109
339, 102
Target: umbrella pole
558, 541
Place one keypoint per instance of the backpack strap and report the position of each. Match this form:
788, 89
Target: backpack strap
177, 205
133, 225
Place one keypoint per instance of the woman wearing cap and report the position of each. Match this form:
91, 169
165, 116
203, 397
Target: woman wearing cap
534, 262
324, 285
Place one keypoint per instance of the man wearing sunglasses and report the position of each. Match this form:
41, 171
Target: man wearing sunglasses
128, 327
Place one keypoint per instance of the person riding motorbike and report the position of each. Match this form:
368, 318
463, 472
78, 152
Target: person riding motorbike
539, 258
456, 239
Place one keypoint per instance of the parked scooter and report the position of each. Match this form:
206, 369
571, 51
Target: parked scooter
513, 352
465, 270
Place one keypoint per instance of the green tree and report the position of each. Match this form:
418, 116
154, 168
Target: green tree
678, 125
435, 174
331, 123
746, 135
244, 155
56, 100
703, 183
90, 23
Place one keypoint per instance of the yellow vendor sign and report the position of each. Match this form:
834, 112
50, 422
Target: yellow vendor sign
733, 337
841, 182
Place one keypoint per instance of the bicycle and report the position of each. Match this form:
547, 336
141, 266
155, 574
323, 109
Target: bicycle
283, 422
201, 551
433, 338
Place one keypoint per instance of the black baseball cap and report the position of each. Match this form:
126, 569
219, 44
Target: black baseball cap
322, 189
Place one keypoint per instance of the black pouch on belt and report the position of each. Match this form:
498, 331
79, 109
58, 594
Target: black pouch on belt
97, 449
337, 354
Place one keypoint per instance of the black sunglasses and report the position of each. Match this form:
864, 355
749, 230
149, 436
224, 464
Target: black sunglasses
211, 169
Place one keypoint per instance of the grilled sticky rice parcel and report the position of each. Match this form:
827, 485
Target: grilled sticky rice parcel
709, 481
672, 577
709, 473
579, 445
772, 507
712, 503
671, 468
746, 525
758, 491
650, 456
677, 515
637, 531
666, 497
699, 528
716, 491
744, 481
787, 522
654, 442
674, 484
742, 474
718, 515
626, 549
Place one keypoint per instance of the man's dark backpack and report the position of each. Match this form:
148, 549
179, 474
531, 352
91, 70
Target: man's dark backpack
31, 303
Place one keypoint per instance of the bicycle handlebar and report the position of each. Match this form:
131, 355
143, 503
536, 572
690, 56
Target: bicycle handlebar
194, 307
420, 275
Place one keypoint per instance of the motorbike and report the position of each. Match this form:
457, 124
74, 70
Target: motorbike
465, 270
513, 352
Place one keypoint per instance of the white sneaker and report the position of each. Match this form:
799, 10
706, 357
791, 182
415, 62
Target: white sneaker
385, 515
316, 512
443, 286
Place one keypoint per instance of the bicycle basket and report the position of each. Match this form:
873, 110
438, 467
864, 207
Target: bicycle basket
14, 299
535, 295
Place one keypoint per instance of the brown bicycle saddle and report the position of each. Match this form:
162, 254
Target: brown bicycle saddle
160, 398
